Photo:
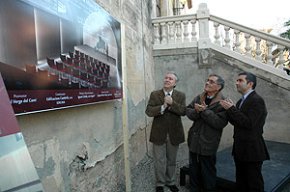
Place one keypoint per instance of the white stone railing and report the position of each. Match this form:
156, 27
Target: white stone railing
203, 31
175, 31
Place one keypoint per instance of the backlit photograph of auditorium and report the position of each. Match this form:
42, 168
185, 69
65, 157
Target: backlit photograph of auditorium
59, 54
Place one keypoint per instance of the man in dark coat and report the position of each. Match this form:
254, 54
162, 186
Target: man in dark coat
209, 118
166, 105
249, 149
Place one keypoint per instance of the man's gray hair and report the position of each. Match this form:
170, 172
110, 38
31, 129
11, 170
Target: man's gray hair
173, 73
220, 81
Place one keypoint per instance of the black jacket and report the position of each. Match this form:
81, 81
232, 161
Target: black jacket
248, 122
205, 133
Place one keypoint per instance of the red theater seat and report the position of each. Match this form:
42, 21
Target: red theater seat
92, 79
84, 76
59, 66
74, 84
76, 72
71, 55
63, 58
77, 52
69, 61
51, 63
65, 81
76, 63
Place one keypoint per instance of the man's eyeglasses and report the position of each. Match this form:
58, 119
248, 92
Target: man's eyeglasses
210, 81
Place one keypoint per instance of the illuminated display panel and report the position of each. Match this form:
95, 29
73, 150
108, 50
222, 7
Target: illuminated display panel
59, 54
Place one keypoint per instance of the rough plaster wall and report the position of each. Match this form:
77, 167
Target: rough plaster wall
81, 149
278, 104
57, 139
139, 74
138, 60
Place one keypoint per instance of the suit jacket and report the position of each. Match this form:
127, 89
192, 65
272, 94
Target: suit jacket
168, 123
248, 121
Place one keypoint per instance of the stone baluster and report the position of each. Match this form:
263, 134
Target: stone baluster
269, 56
216, 34
156, 34
227, 37
185, 31
193, 31
248, 45
164, 33
178, 32
171, 32
237, 41
281, 59
258, 49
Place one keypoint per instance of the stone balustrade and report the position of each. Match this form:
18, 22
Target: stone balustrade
204, 31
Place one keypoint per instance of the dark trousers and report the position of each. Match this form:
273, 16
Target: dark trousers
249, 176
202, 173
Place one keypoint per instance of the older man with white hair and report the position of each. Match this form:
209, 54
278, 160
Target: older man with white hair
166, 105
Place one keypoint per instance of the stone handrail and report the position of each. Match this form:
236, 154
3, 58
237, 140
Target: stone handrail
203, 31
173, 31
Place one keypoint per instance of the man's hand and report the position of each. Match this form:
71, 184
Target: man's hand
227, 103
168, 100
199, 108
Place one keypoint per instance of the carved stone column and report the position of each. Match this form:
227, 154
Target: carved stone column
203, 18
204, 40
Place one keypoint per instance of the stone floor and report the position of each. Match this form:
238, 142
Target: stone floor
143, 175
276, 172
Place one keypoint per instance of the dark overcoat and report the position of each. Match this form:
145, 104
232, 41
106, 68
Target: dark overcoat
206, 131
248, 122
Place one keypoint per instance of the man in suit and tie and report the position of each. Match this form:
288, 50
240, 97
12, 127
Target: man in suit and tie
249, 149
166, 105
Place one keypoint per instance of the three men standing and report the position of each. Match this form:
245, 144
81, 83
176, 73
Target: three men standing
210, 113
